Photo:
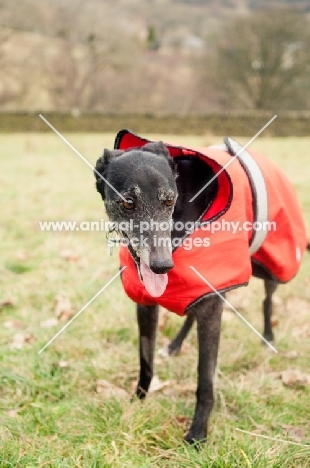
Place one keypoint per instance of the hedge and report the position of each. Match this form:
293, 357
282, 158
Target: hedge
235, 124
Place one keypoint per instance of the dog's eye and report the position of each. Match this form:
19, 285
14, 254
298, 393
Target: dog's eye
169, 202
128, 204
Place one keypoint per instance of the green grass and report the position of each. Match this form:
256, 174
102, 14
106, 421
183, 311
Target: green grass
52, 416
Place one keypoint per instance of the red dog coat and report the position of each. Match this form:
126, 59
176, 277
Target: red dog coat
226, 262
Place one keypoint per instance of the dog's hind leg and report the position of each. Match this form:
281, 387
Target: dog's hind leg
270, 287
208, 314
147, 323
176, 344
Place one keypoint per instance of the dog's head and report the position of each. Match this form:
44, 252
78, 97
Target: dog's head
139, 197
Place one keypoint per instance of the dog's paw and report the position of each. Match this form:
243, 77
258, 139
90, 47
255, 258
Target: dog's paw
169, 351
271, 341
195, 442
173, 349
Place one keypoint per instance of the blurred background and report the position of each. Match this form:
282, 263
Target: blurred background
154, 58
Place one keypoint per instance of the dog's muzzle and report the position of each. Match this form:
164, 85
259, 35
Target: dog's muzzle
161, 266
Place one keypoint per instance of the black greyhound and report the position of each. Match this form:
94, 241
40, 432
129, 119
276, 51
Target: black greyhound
154, 186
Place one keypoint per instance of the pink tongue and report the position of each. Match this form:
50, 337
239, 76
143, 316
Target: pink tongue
153, 283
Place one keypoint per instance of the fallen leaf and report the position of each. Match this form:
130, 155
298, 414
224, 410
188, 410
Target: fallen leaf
186, 387
157, 384
12, 323
274, 322
293, 377
63, 309
6, 303
302, 331
19, 339
69, 255
296, 433
295, 305
180, 389
63, 364
66, 315
48, 323
183, 422
13, 413
108, 390
29, 338
293, 354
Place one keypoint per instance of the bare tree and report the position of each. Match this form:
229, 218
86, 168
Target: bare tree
78, 70
261, 58
10, 88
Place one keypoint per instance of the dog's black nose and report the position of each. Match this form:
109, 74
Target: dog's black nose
161, 266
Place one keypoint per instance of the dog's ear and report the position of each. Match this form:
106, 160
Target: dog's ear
102, 165
161, 149
157, 147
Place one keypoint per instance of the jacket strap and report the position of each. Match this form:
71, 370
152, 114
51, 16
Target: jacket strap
259, 190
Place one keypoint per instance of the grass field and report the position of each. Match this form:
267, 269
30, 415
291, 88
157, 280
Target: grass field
53, 411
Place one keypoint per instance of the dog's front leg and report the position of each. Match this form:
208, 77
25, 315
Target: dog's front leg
147, 322
208, 314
